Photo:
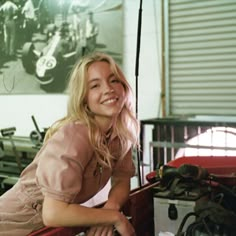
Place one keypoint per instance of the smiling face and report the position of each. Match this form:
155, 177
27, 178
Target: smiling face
105, 95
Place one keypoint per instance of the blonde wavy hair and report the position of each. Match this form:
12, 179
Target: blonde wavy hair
126, 126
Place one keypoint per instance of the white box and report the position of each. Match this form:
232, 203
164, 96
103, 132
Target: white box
162, 221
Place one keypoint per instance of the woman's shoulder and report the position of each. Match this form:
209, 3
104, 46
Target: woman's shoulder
70, 141
75, 127
73, 138
72, 132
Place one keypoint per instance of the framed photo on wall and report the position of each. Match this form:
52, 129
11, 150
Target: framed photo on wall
40, 40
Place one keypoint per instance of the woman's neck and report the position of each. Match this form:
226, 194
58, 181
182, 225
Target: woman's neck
107, 126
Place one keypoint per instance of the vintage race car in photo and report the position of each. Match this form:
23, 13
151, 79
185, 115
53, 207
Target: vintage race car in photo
56, 58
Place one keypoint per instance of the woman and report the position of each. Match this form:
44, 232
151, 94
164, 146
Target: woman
92, 143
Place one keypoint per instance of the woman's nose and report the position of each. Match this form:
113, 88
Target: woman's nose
108, 88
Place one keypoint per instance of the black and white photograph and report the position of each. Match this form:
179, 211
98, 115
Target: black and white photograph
40, 40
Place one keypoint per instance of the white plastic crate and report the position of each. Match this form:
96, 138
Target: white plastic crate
162, 221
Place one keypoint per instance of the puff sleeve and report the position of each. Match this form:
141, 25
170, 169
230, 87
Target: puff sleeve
62, 161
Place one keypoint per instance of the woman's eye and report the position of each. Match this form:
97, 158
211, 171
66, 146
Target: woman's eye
115, 80
94, 86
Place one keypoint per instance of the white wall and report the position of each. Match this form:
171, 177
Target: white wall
16, 110
149, 62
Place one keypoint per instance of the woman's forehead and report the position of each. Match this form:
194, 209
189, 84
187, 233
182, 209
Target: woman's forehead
98, 69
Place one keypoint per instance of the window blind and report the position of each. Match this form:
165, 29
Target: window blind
200, 66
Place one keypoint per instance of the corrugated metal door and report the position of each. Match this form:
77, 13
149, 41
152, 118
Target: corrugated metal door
200, 64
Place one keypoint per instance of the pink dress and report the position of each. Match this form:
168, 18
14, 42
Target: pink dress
65, 169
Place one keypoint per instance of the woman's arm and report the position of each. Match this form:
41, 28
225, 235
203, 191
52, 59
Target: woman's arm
57, 213
120, 180
119, 193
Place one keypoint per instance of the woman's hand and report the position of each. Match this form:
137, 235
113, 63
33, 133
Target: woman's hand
100, 231
123, 227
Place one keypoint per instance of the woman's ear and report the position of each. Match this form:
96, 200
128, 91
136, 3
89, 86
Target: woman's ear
87, 110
